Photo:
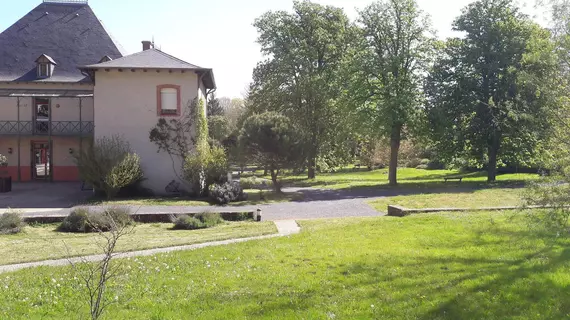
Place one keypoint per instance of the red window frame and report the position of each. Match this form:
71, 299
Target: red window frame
159, 110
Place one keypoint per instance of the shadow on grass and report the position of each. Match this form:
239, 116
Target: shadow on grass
463, 287
412, 188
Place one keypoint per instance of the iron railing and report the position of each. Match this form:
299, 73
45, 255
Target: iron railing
42, 128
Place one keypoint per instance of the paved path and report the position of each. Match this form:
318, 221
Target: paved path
284, 228
317, 203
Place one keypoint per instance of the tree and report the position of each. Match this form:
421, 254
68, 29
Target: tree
299, 78
271, 141
215, 107
491, 93
388, 69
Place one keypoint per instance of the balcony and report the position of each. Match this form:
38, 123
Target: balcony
45, 128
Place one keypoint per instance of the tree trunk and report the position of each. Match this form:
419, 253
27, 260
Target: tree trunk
312, 167
395, 138
276, 184
492, 166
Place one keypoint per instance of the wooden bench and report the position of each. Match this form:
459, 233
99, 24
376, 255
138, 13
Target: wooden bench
453, 178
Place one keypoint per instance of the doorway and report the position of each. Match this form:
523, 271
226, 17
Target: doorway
41, 166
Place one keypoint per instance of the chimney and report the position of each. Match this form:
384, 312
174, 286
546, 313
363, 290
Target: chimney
147, 45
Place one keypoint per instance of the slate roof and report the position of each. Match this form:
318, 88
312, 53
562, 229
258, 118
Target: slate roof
69, 33
151, 58
154, 59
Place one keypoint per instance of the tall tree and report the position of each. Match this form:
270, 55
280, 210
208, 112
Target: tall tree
389, 67
490, 93
215, 107
304, 52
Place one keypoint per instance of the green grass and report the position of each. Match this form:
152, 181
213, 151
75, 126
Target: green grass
152, 201
407, 178
438, 266
43, 242
460, 198
253, 199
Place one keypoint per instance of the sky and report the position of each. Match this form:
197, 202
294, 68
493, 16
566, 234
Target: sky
216, 34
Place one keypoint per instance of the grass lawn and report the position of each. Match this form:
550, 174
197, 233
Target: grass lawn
43, 242
407, 178
438, 266
254, 198
154, 201
493, 197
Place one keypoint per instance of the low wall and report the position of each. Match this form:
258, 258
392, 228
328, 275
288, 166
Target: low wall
399, 211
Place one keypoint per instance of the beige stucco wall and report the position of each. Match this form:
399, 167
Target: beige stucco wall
126, 105
63, 109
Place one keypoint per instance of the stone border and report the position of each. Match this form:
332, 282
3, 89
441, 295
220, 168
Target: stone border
399, 211
160, 217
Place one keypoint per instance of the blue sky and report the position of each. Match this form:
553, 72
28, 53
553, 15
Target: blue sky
215, 33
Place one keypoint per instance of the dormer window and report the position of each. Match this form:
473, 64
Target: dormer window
46, 65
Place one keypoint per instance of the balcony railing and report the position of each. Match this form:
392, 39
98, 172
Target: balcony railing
42, 128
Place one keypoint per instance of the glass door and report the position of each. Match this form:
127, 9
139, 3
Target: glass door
41, 116
41, 161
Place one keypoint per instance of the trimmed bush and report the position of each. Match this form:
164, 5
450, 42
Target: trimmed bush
255, 183
198, 221
225, 193
11, 223
82, 220
76, 221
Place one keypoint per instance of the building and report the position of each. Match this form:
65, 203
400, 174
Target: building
65, 81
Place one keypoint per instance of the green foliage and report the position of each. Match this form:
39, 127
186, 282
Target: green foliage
11, 223
205, 166
198, 221
214, 107
201, 122
225, 193
109, 165
219, 128
83, 220
255, 183
300, 78
387, 69
270, 141
492, 92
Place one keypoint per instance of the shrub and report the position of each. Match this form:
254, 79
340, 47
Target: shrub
198, 221
11, 223
109, 165
424, 162
255, 183
239, 216
226, 193
206, 166
76, 221
82, 220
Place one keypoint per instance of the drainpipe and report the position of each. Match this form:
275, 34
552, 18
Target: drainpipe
19, 141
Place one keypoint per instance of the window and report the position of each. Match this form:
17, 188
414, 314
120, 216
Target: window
168, 100
43, 70
45, 65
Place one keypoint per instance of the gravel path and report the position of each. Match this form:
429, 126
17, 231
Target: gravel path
284, 228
